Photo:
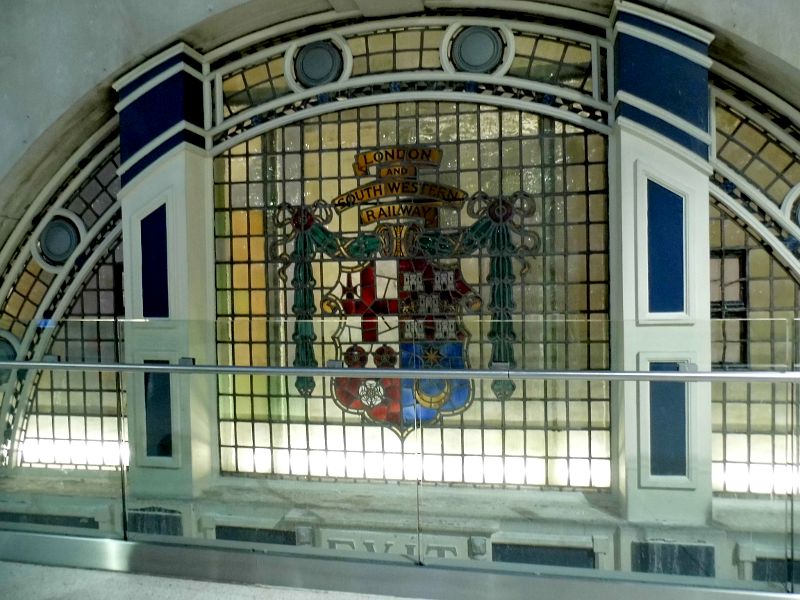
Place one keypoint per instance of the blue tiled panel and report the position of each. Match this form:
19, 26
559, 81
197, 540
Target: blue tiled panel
663, 78
667, 423
664, 31
155, 270
665, 250
177, 99
158, 412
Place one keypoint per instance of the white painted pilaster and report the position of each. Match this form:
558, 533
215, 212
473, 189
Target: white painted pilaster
182, 180
641, 337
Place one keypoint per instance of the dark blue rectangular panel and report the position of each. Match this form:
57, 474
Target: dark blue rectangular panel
664, 31
663, 78
155, 270
667, 423
179, 98
158, 411
665, 250
658, 125
544, 555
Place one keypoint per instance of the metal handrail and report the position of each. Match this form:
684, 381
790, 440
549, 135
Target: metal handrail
776, 376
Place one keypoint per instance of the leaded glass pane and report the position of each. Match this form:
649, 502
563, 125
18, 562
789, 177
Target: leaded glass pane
327, 259
753, 303
73, 418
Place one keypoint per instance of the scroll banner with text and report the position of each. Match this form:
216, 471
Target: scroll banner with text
397, 170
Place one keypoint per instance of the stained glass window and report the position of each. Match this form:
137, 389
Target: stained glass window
558, 59
73, 419
89, 193
754, 302
755, 142
417, 235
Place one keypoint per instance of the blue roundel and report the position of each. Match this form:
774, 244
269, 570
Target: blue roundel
318, 63
58, 240
477, 50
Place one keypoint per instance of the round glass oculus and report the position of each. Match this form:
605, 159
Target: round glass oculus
318, 63
58, 240
477, 49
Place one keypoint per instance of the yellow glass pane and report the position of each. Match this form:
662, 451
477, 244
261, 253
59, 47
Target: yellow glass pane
381, 42
726, 121
241, 355
37, 292
735, 155
260, 384
260, 413
241, 278
240, 249
233, 84
550, 50
258, 302
241, 330
256, 74
257, 250
406, 61
256, 219
357, 45
241, 302
379, 63
27, 312
431, 60
750, 138
259, 355
24, 283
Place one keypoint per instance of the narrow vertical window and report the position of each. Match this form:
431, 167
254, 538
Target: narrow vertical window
155, 275
665, 250
667, 423
158, 411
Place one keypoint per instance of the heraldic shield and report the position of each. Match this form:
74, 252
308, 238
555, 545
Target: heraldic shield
397, 288
415, 321
427, 309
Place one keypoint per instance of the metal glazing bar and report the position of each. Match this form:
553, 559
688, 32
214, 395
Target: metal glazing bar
777, 376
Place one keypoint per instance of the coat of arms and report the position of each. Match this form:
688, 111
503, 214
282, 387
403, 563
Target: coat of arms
402, 295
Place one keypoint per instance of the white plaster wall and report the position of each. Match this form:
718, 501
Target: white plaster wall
57, 59
758, 37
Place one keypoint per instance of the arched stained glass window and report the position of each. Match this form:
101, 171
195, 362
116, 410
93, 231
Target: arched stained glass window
418, 235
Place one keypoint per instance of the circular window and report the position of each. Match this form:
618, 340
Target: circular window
58, 240
318, 63
477, 50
